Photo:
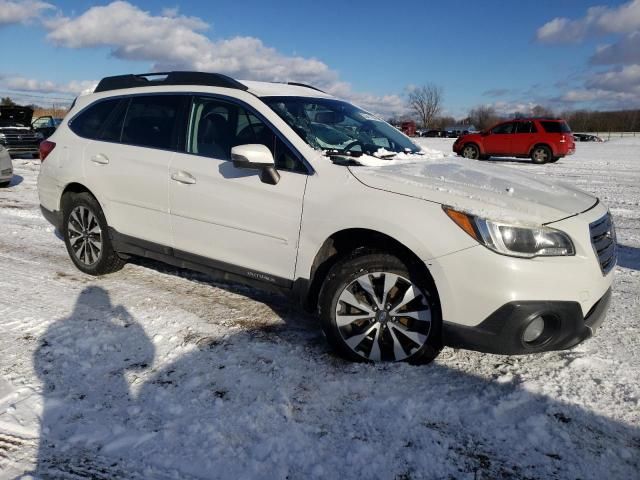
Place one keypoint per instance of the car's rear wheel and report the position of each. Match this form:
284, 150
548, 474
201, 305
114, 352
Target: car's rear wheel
471, 151
541, 154
373, 307
86, 235
5, 184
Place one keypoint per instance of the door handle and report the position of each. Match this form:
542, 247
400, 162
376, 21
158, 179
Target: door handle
100, 159
183, 177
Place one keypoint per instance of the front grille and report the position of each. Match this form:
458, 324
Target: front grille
21, 141
603, 239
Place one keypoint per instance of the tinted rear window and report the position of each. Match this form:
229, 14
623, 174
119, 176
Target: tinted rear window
90, 123
556, 127
152, 121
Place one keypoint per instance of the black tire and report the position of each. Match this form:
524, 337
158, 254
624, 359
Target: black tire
85, 207
554, 159
471, 151
541, 154
5, 184
345, 275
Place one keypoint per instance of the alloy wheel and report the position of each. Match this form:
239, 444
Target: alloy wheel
85, 235
383, 316
470, 152
540, 155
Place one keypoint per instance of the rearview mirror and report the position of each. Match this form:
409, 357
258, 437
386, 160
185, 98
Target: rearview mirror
258, 157
329, 117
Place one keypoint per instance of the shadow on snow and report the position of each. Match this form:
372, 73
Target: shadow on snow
275, 404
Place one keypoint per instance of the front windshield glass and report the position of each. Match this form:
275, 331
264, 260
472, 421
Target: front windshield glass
339, 127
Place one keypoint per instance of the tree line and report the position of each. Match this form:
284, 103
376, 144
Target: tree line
425, 103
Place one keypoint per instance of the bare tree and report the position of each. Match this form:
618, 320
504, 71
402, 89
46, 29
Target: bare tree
483, 116
426, 102
6, 101
540, 111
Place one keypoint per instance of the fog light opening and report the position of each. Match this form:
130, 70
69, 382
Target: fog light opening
533, 332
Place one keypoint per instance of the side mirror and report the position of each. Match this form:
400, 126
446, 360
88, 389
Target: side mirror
256, 157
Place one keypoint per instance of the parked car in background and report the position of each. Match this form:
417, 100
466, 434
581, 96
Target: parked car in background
6, 167
16, 132
434, 133
408, 128
46, 125
207, 172
586, 137
541, 139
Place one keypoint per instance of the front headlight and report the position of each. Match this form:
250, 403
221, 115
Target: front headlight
514, 240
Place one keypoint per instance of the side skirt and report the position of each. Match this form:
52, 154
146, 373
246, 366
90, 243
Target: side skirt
217, 270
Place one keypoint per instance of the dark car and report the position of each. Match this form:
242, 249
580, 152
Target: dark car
16, 133
541, 139
433, 133
586, 137
46, 125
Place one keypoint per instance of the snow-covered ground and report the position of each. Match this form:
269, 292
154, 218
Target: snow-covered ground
154, 372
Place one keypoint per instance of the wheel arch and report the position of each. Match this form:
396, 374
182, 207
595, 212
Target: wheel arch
75, 187
347, 242
475, 144
541, 144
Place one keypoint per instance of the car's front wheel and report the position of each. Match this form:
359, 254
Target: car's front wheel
86, 235
471, 151
540, 155
373, 307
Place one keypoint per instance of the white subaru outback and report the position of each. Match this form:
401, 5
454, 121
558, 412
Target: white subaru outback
284, 186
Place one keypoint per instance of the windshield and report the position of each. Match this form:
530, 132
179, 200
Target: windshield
336, 126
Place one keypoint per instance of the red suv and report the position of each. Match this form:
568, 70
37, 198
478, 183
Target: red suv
541, 139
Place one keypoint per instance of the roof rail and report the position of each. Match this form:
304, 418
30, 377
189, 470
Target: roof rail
305, 85
168, 78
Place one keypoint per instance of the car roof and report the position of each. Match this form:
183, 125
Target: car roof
181, 80
274, 89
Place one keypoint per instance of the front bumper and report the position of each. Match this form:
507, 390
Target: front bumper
23, 150
503, 331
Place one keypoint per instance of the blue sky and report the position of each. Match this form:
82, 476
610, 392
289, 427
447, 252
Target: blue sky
489, 52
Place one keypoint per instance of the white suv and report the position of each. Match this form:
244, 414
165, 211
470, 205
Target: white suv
284, 186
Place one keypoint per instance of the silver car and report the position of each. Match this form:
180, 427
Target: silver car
6, 167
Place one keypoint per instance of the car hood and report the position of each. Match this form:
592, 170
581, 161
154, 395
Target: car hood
491, 191
22, 115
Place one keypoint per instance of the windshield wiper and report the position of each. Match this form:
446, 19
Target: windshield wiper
332, 152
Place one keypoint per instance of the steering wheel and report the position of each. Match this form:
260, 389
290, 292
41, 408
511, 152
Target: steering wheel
353, 144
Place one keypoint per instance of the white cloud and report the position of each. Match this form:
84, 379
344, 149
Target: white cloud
22, 11
172, 41
72, 88
624, 79
626, 51
598, 20
605, 98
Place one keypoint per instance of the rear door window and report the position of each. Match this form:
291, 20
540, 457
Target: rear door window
525, 127
153, 121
